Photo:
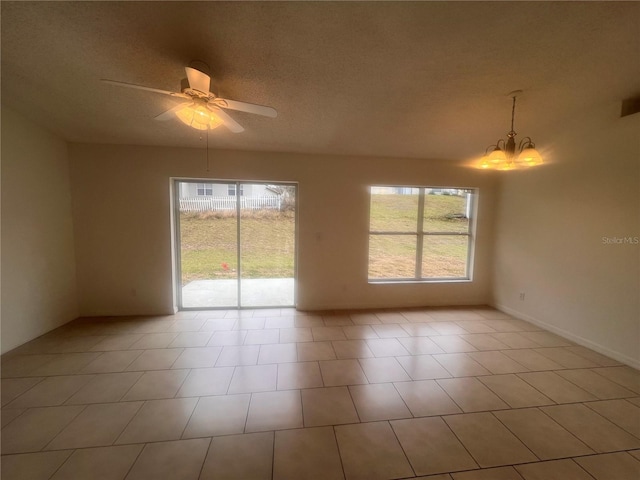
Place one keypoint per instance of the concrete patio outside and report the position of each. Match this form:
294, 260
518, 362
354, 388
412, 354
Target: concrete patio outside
256, 292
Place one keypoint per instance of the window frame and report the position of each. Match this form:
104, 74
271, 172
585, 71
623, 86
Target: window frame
420, 234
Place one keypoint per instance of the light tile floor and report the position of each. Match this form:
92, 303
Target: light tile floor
442, 393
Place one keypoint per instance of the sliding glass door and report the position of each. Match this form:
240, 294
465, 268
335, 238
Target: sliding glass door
236, 244
267, 246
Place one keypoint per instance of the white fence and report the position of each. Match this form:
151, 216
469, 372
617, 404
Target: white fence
207, 203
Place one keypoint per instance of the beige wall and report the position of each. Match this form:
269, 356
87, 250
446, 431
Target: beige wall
548, 230
38, 262
549, 236
121, 203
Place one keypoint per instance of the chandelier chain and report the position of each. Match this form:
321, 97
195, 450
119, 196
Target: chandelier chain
513, 112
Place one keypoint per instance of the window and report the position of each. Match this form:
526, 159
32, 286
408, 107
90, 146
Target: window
420, 233
231, 190
204, 189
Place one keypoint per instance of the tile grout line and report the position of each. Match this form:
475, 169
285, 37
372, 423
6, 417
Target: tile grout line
505, 401
335, 439
204, 460
606, 419
402, 398
143, 403
62, 464
246, 418
582, 468
120, 400
552, 371
354, 404
273, 454
572, 433
43, 449
186, 424
6, 406
592, 393
442, 419
144, 445
406, 457
444, 390
514, 435
14, 419
586, 404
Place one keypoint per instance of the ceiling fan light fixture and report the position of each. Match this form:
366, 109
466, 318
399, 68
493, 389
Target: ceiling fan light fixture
204, 110
198, 117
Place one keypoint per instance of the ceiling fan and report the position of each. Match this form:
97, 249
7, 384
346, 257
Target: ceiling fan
202, 109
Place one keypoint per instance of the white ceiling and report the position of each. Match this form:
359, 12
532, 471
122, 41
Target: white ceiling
419, 79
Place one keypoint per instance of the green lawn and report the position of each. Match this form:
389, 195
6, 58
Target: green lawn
209, 241
395, 256
209, 245
400, 213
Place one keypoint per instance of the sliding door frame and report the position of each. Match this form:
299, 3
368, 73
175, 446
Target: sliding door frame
178, 245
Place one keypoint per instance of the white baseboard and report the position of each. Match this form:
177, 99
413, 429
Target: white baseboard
317, 307
632, 362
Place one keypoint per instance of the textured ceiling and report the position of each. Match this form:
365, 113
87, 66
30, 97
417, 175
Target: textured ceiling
419, 79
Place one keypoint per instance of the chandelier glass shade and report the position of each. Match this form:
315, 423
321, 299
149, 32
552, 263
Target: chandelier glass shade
505, 155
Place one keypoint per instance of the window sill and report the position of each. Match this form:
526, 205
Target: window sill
401, 281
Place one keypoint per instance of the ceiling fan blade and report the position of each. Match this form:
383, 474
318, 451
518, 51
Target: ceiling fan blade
229, 122
247, 107
140, 87
198, 80
169, 114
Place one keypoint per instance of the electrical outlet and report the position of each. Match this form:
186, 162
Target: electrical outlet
522, 296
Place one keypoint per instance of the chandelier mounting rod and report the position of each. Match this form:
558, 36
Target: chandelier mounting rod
513, 113
514, 95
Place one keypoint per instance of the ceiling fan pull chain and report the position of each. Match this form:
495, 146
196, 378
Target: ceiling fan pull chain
207, 134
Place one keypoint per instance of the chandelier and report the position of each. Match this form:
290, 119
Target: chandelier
504, 155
